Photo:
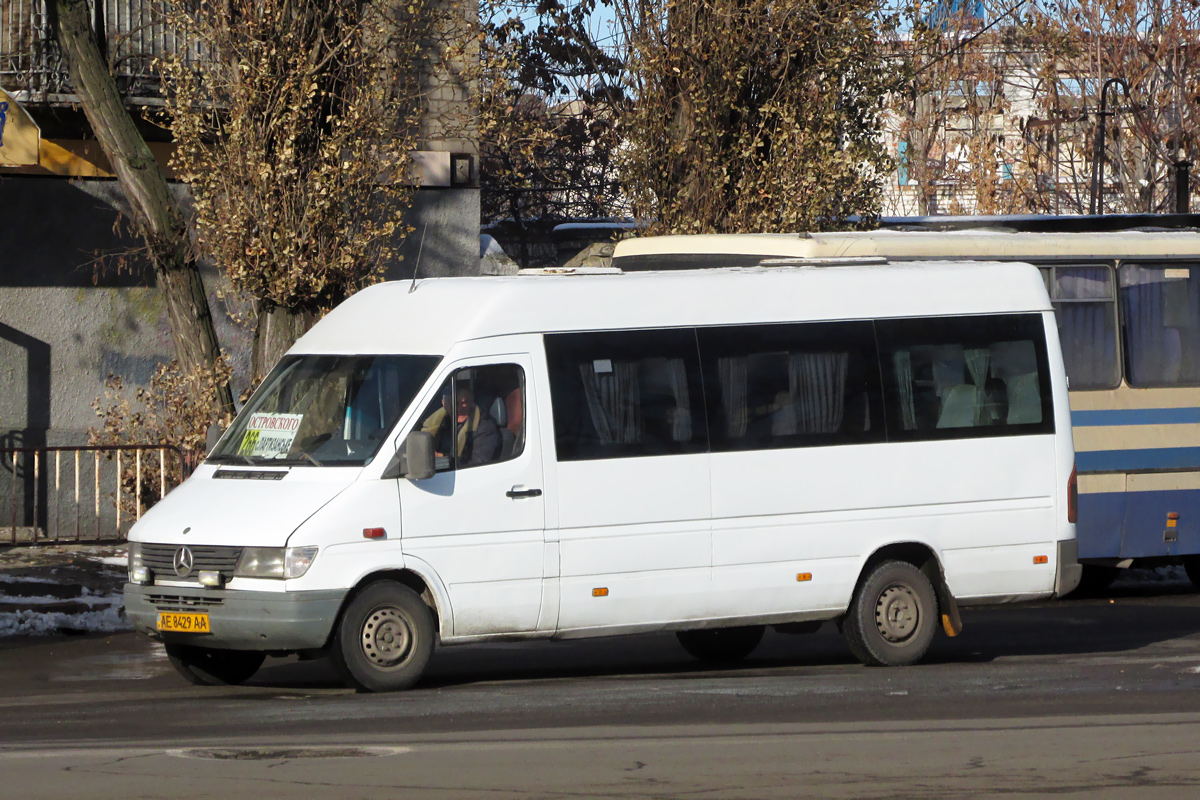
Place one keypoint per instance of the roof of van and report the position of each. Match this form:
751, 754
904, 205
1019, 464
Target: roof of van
389, 318
651, 251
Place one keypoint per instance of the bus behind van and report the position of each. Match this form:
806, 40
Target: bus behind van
557, 455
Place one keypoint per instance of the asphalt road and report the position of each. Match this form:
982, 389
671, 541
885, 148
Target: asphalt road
1096, 698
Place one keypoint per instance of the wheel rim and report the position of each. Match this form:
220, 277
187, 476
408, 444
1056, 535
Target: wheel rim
387, 637
897, 613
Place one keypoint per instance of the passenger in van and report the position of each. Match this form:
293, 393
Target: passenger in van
478, 440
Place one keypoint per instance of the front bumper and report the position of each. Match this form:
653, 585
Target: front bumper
1070, 571
239, 620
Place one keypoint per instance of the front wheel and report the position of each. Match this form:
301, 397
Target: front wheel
893, 616
384, 639
207, 666
721, 645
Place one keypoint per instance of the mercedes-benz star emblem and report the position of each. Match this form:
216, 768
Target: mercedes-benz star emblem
183, 561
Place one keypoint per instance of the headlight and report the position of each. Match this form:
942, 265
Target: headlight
138, 571
274, 562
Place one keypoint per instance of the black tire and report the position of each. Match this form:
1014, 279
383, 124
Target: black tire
893, 616
207, 666
1096, 579
1191, 565
384, 639
721, 645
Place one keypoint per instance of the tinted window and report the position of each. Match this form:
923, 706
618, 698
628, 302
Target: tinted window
478, 417
965, 376
773, 386
626, 393
1160, 304
1085, 303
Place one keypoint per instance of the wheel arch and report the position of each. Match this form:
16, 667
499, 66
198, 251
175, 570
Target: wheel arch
925, 558
429, 589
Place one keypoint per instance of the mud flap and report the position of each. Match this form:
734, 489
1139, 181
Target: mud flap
951, 621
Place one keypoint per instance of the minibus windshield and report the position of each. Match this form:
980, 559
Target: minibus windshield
324, 410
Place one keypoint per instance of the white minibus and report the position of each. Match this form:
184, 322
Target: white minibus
562, 454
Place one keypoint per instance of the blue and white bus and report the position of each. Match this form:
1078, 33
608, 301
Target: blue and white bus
1126, 291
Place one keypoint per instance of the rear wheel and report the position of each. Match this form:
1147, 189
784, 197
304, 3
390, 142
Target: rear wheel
384, 639
892, 618
722, 645
206, 666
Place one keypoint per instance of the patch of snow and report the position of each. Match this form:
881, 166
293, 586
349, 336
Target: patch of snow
87, 599
1137, 576
28, 622
488, 246
116, 561
19, 579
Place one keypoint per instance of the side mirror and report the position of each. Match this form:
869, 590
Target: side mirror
212, 436
414, 459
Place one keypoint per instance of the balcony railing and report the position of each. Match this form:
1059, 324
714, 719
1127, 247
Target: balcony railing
129, 32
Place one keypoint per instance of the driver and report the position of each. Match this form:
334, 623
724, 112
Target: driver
478, 440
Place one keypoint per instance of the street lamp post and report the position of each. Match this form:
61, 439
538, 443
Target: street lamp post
1097, 204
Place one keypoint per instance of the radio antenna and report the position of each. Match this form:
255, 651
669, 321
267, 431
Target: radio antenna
420, 249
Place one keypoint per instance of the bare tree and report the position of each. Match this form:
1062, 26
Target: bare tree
156, 214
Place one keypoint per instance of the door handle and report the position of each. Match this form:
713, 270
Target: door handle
517, 492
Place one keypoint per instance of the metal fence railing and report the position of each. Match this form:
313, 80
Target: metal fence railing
82, 494
131, 34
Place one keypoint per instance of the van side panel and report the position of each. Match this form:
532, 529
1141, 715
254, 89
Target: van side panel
986, 506
638, 527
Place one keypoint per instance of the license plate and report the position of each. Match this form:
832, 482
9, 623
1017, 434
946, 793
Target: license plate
183, 623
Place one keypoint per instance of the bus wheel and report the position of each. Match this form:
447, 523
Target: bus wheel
892, 618
384, 639
1191, 565
206, 666
721, 645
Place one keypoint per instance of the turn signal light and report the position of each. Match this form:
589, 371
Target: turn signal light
1041, 560
601, 591
374, 533
804, 576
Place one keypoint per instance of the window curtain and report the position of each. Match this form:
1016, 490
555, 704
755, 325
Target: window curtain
902, 367
1089, 344
1155, 355
681, 425
732, 374
613, 401
817, 383
977, 367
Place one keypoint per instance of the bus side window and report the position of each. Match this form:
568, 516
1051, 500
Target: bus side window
620, 394
791, 385
1085, 305
1160, 307
963, 377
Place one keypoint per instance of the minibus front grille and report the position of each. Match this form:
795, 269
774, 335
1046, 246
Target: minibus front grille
160, 558
175, 602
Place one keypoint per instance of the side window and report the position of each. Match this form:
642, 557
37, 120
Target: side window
774, 386
478, 417
1085, 304
1160, 309
956, 377
620, 394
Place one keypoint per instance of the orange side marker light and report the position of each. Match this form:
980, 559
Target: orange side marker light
600, 591
804, 576
1041, 560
